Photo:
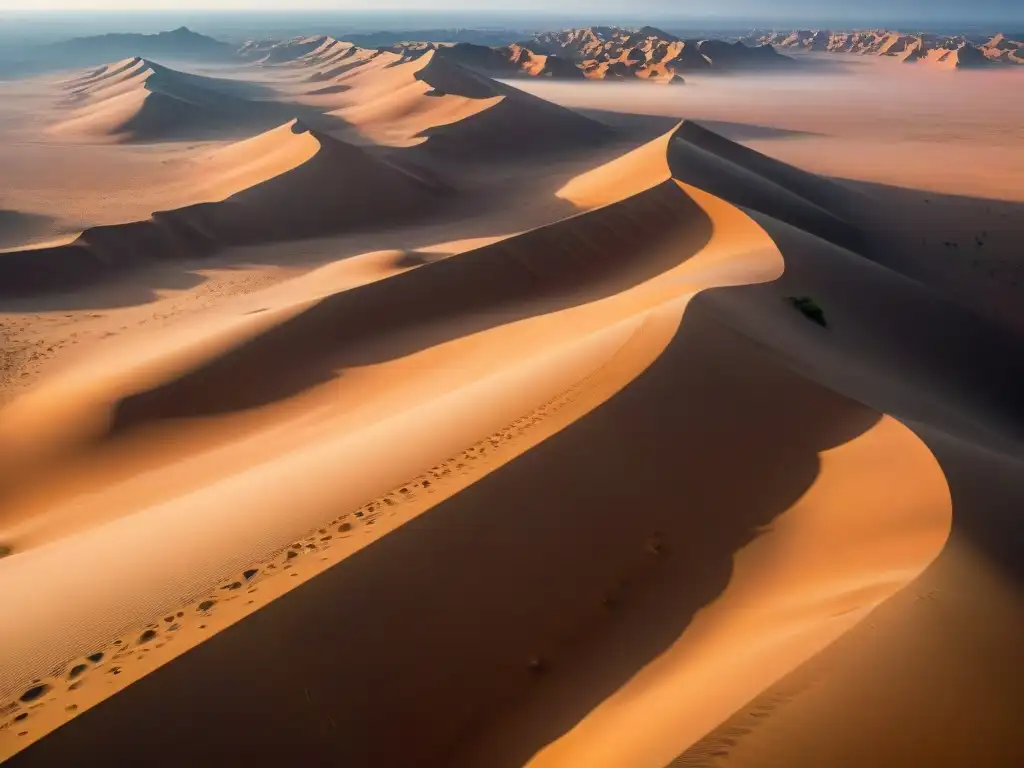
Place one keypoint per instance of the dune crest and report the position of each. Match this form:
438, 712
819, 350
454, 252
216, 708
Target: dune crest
436, 103
137, 100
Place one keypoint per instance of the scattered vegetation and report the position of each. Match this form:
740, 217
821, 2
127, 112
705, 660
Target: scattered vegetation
809, 308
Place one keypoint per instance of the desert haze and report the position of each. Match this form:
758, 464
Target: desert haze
610, 398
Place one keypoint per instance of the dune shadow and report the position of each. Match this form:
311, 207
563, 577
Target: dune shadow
527, 275
965, 247
409, 259
409, 650
329, 90
18, 227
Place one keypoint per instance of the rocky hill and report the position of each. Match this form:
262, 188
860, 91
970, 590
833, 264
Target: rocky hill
950, 50
649, 53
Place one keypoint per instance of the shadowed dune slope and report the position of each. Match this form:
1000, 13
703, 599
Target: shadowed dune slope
630, 513
288, 184
941, 651
759, 183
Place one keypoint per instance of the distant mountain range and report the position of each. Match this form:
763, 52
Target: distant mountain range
949, 50
650, 53
180, 43
595, 53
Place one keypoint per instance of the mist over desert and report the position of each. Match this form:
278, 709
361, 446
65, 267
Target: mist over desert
609, 397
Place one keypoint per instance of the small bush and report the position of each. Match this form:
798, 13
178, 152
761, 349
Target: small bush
809, 308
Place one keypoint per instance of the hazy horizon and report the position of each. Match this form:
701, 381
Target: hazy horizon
22, 27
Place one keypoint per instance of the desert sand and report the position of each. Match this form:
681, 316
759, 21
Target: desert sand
443, 424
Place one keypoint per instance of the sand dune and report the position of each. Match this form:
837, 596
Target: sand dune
281, 51
288, 184
560, 509
137, 100
757, 182
434, 102
678, 477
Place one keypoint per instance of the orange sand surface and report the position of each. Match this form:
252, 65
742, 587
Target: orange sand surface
369, 411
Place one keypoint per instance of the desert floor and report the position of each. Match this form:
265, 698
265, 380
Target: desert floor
386, 414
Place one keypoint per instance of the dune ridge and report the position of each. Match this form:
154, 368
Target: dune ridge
608, 389
289, 183
436, 103
137, 100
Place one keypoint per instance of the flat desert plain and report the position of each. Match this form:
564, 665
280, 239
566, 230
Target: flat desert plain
360, 409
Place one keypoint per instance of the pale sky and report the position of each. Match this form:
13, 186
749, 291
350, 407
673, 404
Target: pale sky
920, 9
286, 5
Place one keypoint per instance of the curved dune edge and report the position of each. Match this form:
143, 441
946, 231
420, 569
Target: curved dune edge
141, 101
612, 340
447, 110
286, 184
859, 535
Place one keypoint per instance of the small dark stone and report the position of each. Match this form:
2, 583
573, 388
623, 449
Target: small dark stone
426, 483
250, 573
344, 527
168, 619
326, 538
96, 658
35, 692
292, 553
359, 514
233, 585
21, 717
148, 635
76, 671
181, 614
207, 605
